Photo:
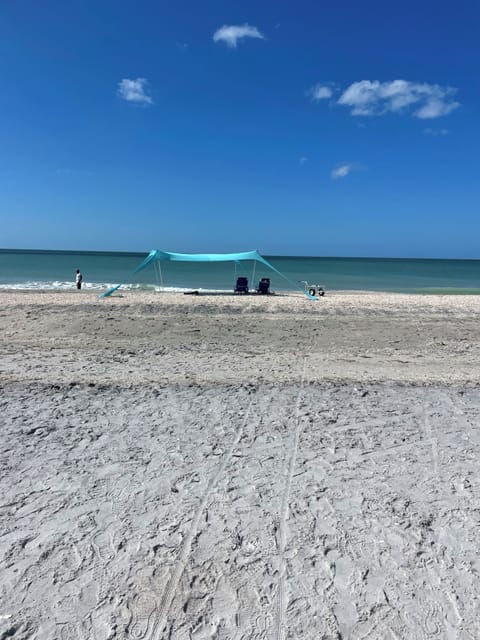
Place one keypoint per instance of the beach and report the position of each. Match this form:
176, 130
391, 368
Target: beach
239, 467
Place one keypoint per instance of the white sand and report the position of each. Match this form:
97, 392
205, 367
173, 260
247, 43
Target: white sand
237, 468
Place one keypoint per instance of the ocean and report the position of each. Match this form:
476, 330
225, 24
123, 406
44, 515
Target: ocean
55, 270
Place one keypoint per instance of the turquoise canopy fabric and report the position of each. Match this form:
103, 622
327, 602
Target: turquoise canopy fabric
167, 256
207, 257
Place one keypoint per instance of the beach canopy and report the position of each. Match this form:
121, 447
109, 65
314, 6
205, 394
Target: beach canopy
166, 256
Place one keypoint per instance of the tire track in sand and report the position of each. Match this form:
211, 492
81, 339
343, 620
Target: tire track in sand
160, 619
431, 438
279, 629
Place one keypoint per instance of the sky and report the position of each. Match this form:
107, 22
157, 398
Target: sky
299, 128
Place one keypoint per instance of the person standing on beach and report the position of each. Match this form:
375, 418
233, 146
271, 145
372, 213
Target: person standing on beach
78, 279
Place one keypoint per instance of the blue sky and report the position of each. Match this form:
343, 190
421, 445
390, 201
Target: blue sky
302, 128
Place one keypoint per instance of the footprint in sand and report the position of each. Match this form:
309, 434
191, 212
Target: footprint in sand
204, 630
143, 607
260, 628
425, 615
69, 631
433, 619
102, 543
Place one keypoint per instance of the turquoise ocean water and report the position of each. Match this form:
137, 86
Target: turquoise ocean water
26, 269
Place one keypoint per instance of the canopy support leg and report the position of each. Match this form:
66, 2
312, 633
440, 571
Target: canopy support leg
161, 274
158, 273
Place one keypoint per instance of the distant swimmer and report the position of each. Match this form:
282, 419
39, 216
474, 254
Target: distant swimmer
78, 279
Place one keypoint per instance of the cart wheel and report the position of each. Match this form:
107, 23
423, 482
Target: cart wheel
321, 292
311, 291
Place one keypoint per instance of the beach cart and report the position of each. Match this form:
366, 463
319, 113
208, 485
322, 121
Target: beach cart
313, 289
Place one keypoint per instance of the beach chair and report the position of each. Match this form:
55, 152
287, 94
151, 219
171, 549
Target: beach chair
242, 285
264, 286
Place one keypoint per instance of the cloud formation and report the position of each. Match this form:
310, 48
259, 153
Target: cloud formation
422, 100
341, 172
320, 92
134, 91
231, 34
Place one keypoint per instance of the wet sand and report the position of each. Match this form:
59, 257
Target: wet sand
219, 467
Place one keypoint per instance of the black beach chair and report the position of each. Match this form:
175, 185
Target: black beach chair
264, 286
241, 286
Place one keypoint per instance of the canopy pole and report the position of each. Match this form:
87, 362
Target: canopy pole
159, 267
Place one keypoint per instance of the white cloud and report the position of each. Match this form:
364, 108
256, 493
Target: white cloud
341, 172
134, 91
422, 100
436, 107
436, 132
230, 34
320, 92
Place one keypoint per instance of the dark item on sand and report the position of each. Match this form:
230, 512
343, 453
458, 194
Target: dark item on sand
242, 285
191, 293
313, 289
264, 286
